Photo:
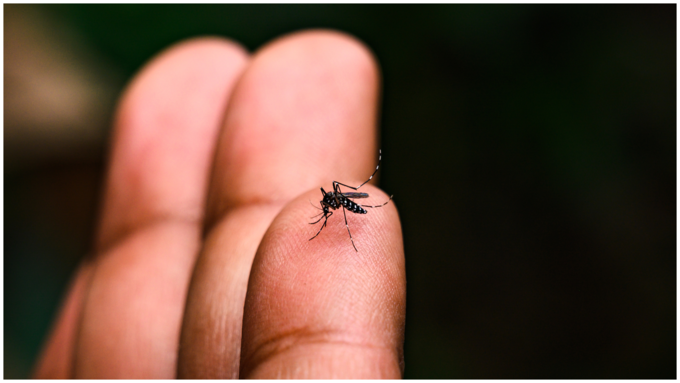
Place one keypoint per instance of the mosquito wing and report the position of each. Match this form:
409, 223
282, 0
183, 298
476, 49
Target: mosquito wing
354, 195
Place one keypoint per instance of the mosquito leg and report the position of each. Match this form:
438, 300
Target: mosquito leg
322, 226
378, 205
336, 183
312, 223
350, 234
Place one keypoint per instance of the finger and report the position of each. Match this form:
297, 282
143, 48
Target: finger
56, 358
164, 136
305, 105
149, 233
319, 309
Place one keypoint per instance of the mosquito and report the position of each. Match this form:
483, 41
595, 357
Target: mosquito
339, 199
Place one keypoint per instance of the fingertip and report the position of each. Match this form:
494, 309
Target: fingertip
377, 234
306, 102
328, 47
164, 134
309, 301
195, 60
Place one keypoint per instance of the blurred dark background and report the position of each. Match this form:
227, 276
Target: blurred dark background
531, 150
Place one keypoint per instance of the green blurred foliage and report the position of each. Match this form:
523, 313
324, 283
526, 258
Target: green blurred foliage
531, 152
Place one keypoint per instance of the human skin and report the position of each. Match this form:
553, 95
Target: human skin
202, 265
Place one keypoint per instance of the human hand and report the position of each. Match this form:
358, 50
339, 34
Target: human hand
202, 265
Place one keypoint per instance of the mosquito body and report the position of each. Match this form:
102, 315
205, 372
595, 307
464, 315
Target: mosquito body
337, 199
